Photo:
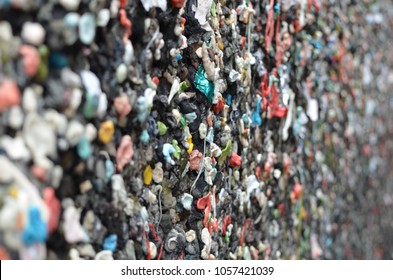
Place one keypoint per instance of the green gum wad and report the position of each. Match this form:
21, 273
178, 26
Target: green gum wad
162, 128
227, 237
43, 70
177, 152
203, 84
183, 86
90, 106
183, 122
214, 9
225, 152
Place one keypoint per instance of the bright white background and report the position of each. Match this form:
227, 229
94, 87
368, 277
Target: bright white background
111, 270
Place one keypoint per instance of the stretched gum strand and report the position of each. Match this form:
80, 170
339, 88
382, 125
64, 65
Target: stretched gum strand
269, 26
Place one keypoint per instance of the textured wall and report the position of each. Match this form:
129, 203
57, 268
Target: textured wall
209, 129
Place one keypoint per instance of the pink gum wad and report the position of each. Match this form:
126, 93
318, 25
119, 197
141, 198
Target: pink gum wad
9, 94
124, 153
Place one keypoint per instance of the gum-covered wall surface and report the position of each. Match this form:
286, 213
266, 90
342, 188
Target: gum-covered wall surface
196, 129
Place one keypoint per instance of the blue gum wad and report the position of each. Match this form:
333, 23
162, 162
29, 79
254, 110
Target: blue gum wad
109, 170
110, 243
256, 117
58, 60
203, 84
35, 230
83, 148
